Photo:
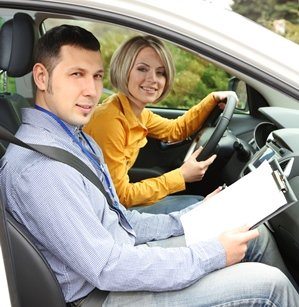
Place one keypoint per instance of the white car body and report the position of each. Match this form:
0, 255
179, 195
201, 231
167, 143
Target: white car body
265, 60
207, 24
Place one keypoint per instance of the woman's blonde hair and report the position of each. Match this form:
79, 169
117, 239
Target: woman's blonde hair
124, 57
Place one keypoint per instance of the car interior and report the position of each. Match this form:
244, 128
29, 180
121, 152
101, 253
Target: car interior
242, 143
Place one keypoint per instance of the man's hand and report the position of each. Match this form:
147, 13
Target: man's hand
235, 243
193, 170
216, 191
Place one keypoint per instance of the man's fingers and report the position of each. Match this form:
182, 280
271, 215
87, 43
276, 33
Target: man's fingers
213, 193
242, 228
245, 234
249, 235
216, 191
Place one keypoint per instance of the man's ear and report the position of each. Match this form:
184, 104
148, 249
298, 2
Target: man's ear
40, 76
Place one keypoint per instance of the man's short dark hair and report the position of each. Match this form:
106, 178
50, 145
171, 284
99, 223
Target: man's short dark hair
49, 45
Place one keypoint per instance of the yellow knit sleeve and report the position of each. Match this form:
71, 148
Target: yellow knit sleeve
182, 127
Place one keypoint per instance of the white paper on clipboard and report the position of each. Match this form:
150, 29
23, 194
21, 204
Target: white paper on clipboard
245, 202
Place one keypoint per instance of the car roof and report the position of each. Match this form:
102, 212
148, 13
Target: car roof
214, 26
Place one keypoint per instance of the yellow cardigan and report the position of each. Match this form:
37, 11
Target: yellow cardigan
121, 135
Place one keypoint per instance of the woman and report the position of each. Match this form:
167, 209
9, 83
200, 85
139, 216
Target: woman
142, 70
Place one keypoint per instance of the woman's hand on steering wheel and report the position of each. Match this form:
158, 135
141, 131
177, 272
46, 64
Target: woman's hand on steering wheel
208, 137
221, 97
193, 170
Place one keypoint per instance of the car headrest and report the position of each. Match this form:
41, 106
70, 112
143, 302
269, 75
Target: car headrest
17, 42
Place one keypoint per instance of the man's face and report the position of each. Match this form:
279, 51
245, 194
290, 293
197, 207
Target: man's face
74, 87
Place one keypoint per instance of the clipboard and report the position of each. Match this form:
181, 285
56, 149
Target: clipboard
253, 199
284, 186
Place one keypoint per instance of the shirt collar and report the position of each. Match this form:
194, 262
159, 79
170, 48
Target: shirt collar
42, 120
133, 120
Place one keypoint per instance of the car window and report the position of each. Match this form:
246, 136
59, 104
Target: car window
7, 84
278, 16
195, 76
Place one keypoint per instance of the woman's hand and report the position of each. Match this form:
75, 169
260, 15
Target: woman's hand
221, 97
193, 170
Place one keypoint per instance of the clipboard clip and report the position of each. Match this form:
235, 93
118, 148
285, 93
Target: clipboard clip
280, 181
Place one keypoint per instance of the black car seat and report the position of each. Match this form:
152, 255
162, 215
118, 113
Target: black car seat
36, 285
2, 149
33, 281
17, 41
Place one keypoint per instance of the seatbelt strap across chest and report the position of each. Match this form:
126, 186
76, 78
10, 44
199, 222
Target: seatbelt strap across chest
60, 155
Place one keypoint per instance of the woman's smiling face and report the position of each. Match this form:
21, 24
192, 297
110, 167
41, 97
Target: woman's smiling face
147, 79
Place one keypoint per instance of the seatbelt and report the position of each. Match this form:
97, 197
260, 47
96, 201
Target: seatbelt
60, 155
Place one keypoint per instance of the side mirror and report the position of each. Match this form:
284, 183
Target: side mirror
239, 86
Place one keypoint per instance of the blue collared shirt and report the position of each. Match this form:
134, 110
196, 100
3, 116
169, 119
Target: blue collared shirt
77, 232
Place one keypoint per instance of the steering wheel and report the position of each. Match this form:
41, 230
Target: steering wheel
209, 137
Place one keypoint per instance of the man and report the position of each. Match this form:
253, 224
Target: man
91, 245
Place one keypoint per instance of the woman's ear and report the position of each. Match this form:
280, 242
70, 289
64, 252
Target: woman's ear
40, 76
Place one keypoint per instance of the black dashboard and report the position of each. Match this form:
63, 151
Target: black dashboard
277, 139
282, 145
